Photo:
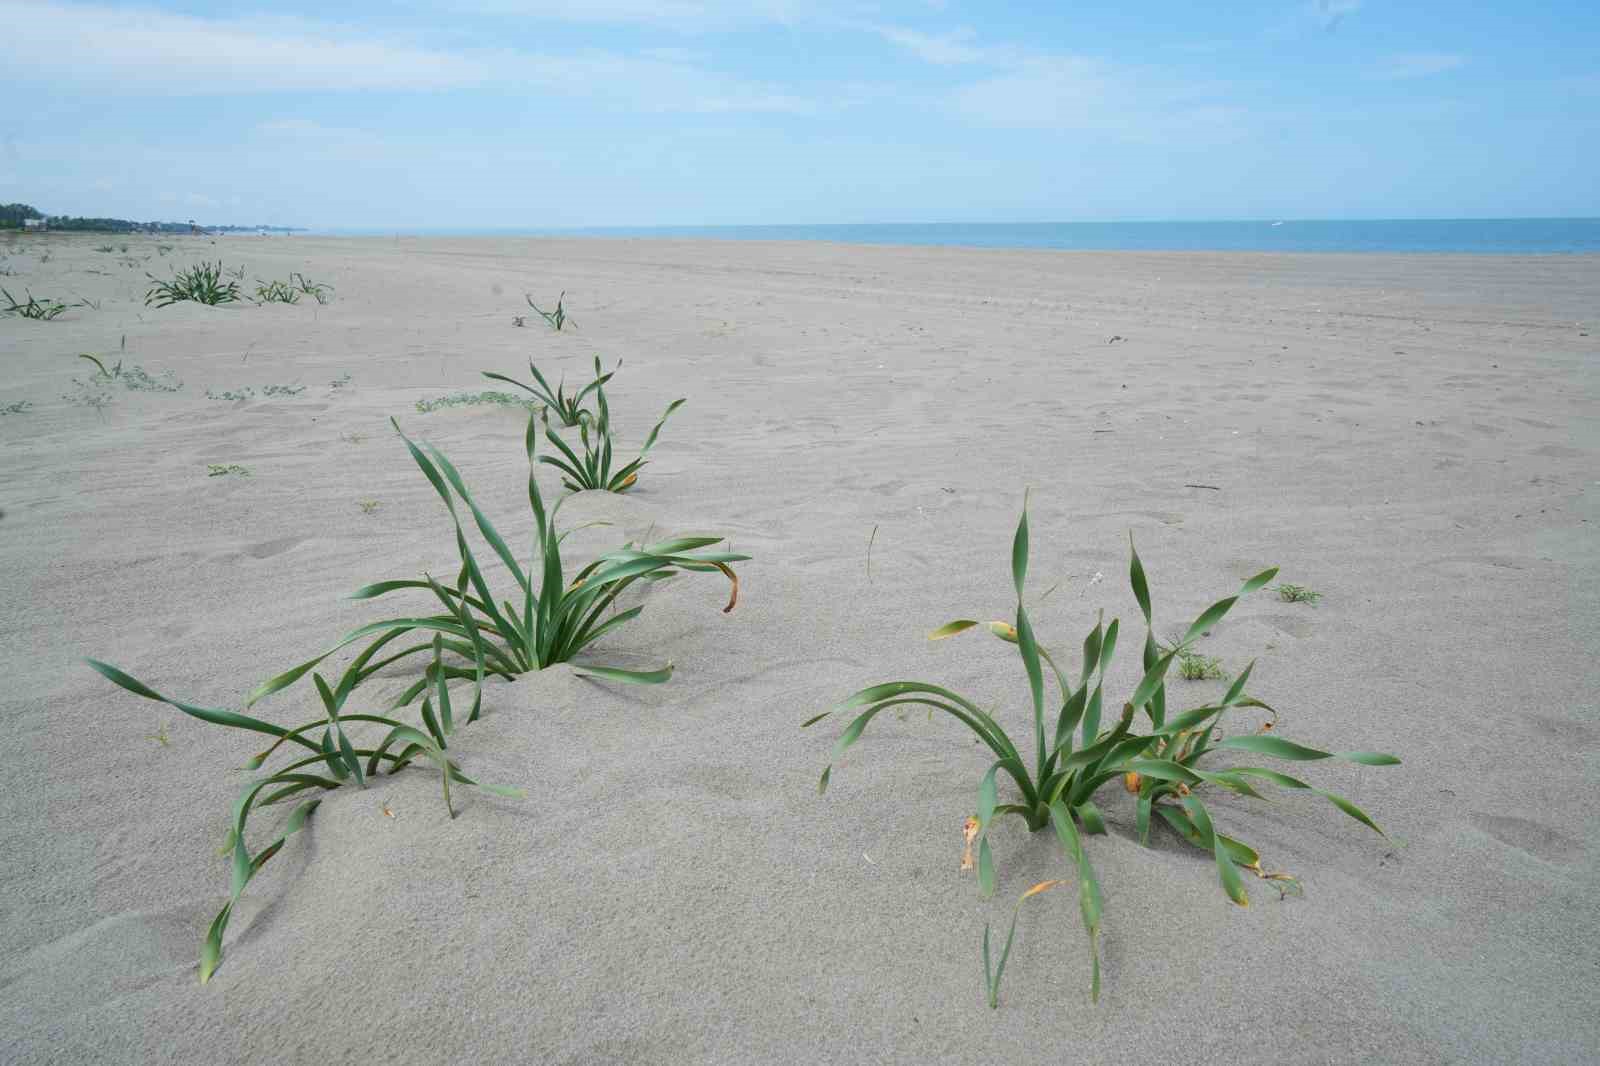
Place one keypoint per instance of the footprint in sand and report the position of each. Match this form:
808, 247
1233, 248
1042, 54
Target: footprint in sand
268, 548
1537, 840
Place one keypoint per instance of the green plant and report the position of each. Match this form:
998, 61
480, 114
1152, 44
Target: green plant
1073, 760
163, 249
15, 407
222, 470
471, 399
558, 619
282, 390
276, 292
201, 284
1297, 594
232, 395
289, 292
105, 248
568, 409
593, 471
1192, 666
368, 506
43, 310
556, 319
334, 751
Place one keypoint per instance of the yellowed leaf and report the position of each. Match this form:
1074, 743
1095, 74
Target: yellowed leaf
970, 832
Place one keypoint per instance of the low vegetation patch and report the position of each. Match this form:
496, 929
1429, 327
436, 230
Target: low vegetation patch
1055, 774
226, 470
471, 399
15, 407
201, 284
289, 292
42, 310
1297, 594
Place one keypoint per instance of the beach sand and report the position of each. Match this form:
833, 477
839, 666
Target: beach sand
1414, 437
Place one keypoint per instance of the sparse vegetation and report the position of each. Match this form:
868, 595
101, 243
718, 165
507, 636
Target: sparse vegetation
569, 410
369, 506
289, 292
42, 310
557, 319
133, 378
593, 470
471, 399
1297, 594
1073, 760
15, 407
226, 470
200, 284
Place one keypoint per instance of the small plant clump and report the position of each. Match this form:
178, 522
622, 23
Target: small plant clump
569, 410
200, 284
1192, 666
1297, 594
1057, 775
15, 407
556, 319
225, 470
593, 470
42, 310
289, 292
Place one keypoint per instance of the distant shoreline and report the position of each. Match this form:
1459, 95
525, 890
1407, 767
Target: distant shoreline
1451, 236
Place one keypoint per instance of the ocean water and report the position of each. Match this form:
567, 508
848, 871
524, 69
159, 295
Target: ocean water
1483, 236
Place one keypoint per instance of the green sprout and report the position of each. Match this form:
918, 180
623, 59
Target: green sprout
556, 319
1297, 594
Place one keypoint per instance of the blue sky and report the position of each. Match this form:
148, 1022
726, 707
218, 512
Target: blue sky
489, 113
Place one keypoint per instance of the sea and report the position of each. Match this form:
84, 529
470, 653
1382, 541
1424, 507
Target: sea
1472, 236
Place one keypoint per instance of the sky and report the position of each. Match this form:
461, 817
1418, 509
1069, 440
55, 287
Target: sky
483, 114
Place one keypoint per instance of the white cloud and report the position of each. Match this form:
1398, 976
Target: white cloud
947, 49
104, 49
1417, 65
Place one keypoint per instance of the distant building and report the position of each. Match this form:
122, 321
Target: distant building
34, 223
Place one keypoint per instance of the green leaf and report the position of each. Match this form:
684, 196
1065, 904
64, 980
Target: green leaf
1136, 578
950, 629
1227, 872
637, 677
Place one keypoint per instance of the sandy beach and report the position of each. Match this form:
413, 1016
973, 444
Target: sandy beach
1414, 437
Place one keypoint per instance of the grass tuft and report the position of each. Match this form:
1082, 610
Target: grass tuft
200, 284
42, 310
225, 470
1054, 774
1297, 594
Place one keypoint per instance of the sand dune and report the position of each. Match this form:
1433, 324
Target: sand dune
1414, 437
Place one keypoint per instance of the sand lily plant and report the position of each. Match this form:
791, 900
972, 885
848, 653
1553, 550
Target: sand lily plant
593, 470
549, 618
568, 410
200, 284
1055, 774
470, 636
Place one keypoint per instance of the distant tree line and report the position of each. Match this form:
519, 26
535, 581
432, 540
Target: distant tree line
13, 215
